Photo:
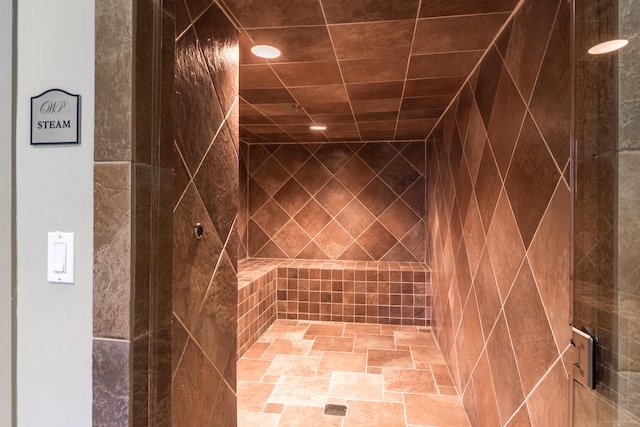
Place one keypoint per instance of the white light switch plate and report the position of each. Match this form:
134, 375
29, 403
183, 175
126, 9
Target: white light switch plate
61, 266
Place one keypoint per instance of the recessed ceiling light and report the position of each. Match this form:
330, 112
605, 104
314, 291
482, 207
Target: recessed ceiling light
609, 46
318, 127
265, 51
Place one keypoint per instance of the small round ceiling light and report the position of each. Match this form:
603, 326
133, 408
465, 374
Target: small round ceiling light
318, 127
608, 46
265, 51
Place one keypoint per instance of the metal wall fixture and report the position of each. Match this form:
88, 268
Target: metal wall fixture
198, 231
584, 366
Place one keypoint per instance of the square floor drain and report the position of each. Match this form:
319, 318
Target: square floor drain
337, 410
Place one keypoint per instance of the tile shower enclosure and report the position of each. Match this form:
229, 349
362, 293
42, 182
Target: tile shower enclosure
485, 202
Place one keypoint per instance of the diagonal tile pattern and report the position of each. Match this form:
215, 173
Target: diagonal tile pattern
499, 226
205, 296
369, 70
385, 375
336, 201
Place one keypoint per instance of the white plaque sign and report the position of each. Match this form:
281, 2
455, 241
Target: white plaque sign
55, 118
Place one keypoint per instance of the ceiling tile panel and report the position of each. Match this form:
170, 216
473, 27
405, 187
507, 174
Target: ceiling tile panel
383, 90
342, 135
423, 113
374, 116
350, 64
275, 13
310, 136
309, 73
375, 106
457, 64
328, 108
373, 69
342, 12
258, 77
378, 135
453, 34
426, 102
320, 94
377, 125
464, 7
264, 96
296, 118
431, 87
333, 119
297, 44
372, 40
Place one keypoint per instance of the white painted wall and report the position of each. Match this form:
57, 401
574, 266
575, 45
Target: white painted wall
54, 188
6, 255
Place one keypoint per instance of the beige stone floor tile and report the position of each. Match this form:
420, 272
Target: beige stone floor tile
426, 354
356, 386
389, 358
251, 369
257, 419
282, 346
391, 329
387, 375
382, 342
376, 370
333, 344
253, 396
393, 397
300, 391
273, 408
352, 329
374, 414
268, 356
271, 379
409, 381
287, 322
294, 365
324, 330
343, 362
256, 350
436, 411
305, 416
279, 331
422, 365
448, 391
442, 375
415, 338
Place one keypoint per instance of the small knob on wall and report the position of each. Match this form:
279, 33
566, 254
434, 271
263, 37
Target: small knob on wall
198, 231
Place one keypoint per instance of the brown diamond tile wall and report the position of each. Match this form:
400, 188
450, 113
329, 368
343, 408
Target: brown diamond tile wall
498, 229
207, 156
336, 201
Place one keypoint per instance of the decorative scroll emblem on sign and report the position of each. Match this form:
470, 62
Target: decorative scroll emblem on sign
55, 118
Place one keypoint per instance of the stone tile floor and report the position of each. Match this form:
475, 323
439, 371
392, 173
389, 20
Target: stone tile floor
386, 375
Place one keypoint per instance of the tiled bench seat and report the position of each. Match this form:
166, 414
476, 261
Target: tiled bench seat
342, 291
